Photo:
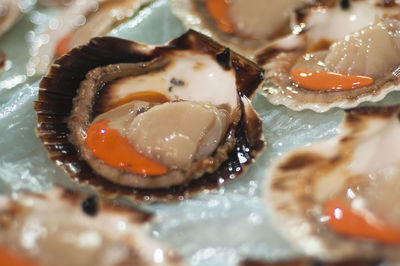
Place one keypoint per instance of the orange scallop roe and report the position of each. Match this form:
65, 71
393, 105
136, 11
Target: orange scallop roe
218, 10
349, 222
328, 81
63, 46
147, 96
11, 259
108, 145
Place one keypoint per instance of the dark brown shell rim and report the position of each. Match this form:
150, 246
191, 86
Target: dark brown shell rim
60, 85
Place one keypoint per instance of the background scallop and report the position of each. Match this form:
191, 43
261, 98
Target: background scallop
245, 26
359, 167
347, 52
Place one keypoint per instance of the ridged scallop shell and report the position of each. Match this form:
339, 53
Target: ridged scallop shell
316, 35
62, 227
60, 86
79, 20
302, 181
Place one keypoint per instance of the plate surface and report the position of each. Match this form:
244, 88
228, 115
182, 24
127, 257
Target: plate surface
211, 229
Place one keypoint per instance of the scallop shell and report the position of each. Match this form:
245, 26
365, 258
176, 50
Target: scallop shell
82, 20
62, 227
195, 15
300, 182
60, 86
9, 13
315, 37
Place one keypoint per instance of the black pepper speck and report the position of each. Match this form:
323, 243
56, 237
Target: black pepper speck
177, 82
345, 4
90, 206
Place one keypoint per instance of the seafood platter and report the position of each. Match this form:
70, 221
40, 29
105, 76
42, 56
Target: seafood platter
199, 132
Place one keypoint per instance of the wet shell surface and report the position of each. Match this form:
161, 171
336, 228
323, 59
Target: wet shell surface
337, 199
147, 93
76, 25
62, 227
244, 26
9, 13
332, 51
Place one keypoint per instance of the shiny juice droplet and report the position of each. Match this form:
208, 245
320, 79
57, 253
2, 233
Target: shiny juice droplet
328, 81
108, 145
347, 221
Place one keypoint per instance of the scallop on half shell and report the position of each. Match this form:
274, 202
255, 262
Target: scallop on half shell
63, 228
337, 199
75, 26
151, 123
337, 56
244, 26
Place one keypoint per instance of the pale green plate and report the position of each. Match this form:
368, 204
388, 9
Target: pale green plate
210, 229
